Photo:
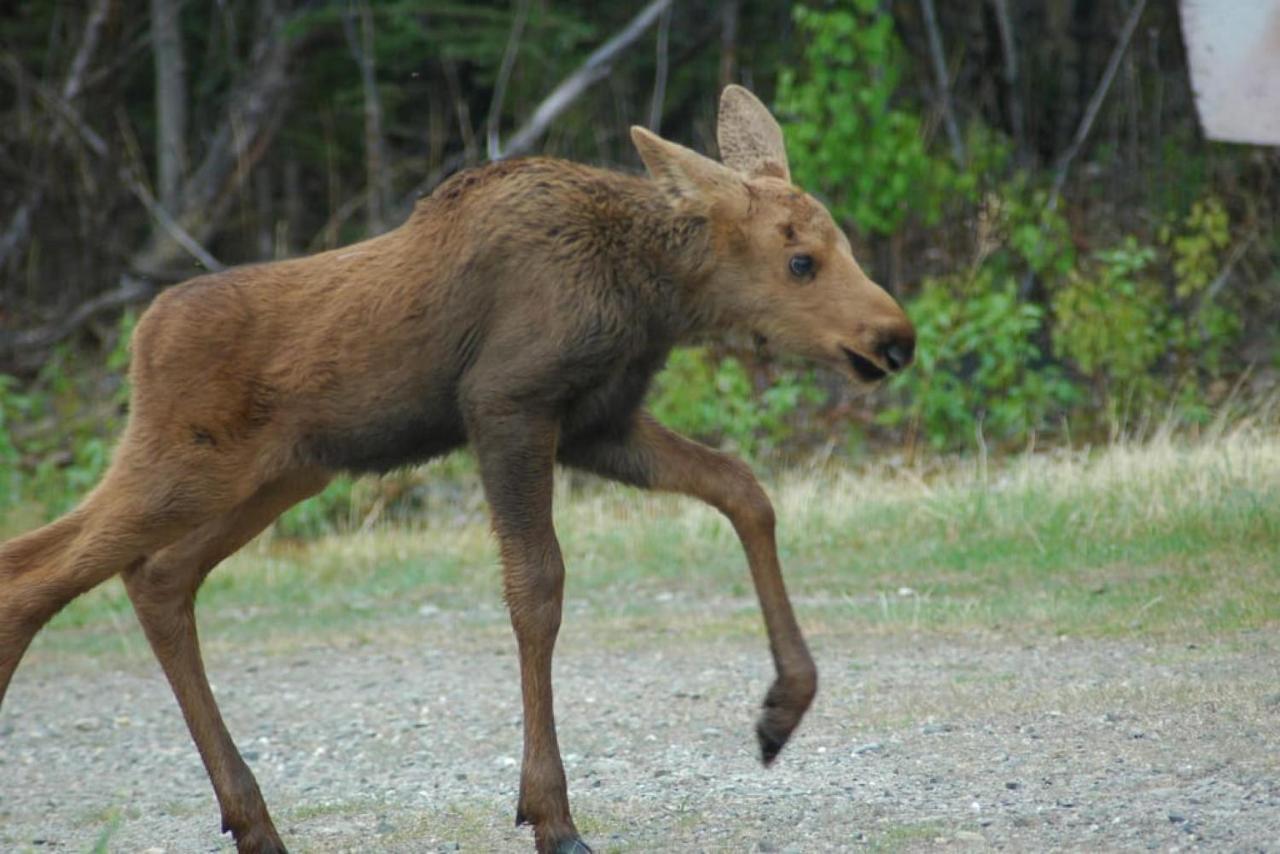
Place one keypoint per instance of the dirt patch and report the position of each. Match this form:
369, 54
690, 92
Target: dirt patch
410, 741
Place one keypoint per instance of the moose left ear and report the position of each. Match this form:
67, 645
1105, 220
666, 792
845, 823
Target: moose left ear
749, 137
683, 173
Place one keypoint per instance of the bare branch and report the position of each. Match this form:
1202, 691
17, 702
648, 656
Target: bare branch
171, 226
362, 50
943, 80
1009, 49
131, 290
593, 69
1095, 103
19, 229
72, 87
494, 143
660, 73
728, 41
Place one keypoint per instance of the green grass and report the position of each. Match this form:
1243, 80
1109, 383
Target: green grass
1160, 539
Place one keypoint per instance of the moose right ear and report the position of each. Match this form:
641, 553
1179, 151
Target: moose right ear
683, 173
749, 136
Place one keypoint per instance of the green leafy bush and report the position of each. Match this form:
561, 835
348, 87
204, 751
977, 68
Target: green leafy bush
56, 432
979, 365
1110, 316
717, 401
1132, 317
845, 135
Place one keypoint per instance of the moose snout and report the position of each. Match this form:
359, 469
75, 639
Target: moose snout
898, 350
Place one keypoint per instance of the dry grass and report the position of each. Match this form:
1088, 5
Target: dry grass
1161, 537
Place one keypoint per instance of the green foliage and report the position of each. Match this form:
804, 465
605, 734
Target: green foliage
980, 366
1110, 316
1030, 237
1132, 316
845, 134
1198, 245
717, 401
54, 447
321, 514
10, 475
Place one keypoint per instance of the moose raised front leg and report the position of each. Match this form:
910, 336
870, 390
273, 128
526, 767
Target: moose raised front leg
650, 456
517, 459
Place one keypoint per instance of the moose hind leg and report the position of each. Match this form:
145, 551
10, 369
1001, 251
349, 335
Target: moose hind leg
133, 512
163, 594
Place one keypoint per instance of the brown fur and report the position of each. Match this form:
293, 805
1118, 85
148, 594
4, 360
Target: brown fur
523, 309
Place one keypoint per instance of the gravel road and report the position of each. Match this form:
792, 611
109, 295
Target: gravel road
406, 738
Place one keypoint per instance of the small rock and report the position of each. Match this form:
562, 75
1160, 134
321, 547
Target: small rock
1176, 819
935, 729
86, 724
1013, 785
869, 747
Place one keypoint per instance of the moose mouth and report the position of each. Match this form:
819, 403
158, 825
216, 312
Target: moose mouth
867, 370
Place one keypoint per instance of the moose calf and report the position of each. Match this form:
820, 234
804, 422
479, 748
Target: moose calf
522, 309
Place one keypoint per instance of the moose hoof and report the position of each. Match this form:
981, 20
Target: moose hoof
258, 844
549, 844
771, 741
784, 706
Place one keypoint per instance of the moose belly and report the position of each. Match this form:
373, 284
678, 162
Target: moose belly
404, 434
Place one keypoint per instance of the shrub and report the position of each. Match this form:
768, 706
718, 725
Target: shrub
716, 401
844, 133
979, 366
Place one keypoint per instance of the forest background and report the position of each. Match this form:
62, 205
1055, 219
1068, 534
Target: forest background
1029, 179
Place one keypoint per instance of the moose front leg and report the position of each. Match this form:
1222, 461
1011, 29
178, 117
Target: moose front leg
517, 458
650, 456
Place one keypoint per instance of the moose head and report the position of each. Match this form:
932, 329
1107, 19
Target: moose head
781, 267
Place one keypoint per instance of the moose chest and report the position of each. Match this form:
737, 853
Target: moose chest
607, 402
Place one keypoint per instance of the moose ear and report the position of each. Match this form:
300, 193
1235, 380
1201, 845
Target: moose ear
750, 138
683, 173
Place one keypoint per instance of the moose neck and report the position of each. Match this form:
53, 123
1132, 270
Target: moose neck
680, 244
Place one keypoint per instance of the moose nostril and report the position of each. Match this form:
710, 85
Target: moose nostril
897, 354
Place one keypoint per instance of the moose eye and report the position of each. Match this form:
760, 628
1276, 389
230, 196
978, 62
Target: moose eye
801, 266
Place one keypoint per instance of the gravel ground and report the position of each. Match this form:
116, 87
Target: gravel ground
407, 739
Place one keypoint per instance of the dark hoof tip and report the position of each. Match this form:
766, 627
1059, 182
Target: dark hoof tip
521, 818
573, 846
770, 744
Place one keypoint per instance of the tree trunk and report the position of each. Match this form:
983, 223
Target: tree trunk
377, 189
171, 100
728, 42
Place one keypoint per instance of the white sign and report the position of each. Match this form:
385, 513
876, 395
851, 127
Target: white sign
1234, 50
